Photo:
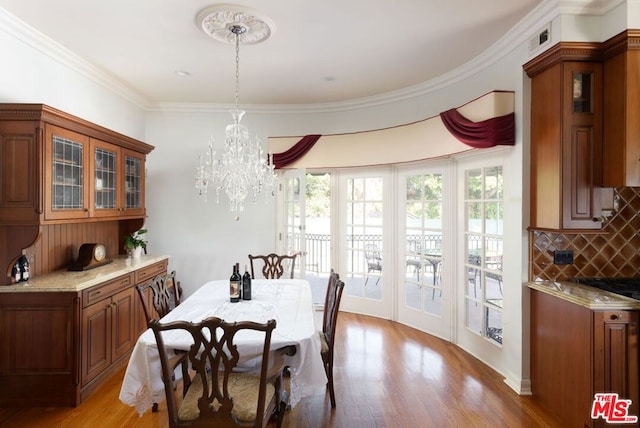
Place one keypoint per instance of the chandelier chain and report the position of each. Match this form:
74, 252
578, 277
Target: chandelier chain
237, 67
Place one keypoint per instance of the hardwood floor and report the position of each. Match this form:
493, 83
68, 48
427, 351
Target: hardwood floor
386, 375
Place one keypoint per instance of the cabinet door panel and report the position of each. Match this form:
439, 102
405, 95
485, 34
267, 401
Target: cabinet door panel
96, 334
134, 183
616, 355
106, 179
582, 207
66, 176
124, 327
18, 189
581, 145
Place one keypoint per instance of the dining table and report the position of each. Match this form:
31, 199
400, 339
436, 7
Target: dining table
288, 301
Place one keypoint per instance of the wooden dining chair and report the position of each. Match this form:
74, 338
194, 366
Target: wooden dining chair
223, 397
161, 292
274, 265
164, 293
327, 335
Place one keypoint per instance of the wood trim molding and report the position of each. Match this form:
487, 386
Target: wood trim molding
584, 51
45, 113
564, 51
625, 41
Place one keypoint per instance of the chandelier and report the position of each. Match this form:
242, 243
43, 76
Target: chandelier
243, 169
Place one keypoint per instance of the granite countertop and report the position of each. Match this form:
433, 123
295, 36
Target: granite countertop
64, 280
584, 295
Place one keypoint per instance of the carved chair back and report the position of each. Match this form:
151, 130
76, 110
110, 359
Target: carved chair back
216, 393
165, 295
274, 265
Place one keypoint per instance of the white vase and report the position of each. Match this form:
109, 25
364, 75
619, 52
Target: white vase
136, 252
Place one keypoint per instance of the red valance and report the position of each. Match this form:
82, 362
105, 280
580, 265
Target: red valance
281, 160
497, 131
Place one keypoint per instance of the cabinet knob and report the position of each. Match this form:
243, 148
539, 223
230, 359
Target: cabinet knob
614, 317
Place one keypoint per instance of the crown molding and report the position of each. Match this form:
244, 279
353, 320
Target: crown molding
24, 33
518, 35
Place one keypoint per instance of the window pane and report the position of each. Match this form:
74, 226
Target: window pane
474, 216
493, 183
374, 189
423, 237
364, 225
483, 282
474, 184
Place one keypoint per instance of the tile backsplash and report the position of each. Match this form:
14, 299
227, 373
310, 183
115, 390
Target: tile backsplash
615, 252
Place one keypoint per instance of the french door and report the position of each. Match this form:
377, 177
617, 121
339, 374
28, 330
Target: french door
291, 232
481, 189
419, 244
424, 252
365, 250
305, 226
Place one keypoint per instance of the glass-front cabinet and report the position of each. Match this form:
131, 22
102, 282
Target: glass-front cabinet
117, 181
66, 160
133, 183
90, 178
105, 179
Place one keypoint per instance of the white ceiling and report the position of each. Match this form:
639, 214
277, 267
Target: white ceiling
321, 52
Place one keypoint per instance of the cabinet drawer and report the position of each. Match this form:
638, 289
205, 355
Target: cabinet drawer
617, 316
99, 292
150, 271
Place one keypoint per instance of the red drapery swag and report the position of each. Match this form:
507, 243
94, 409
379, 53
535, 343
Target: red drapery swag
497, 131
281, 160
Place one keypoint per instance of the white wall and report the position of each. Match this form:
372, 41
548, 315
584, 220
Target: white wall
37, 70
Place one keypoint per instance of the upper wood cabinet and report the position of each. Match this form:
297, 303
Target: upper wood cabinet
621, 138
60, 168
566, 137
19, 191
116, 181
66, 185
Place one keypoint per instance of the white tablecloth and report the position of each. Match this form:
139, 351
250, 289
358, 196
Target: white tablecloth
288, 301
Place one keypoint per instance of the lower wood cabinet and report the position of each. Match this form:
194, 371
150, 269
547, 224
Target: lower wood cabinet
615, 340
108, 332
56, 348
39, 349
577, 352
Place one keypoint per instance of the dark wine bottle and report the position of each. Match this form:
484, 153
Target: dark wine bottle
234, 284
24, 268
240, 288
246, 285
16, 272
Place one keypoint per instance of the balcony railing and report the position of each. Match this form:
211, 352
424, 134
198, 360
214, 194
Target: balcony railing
318, 247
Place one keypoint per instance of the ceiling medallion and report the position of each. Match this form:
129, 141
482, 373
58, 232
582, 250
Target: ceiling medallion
218, 21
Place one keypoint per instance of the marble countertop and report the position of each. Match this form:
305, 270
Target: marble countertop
64, 280
584, 295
